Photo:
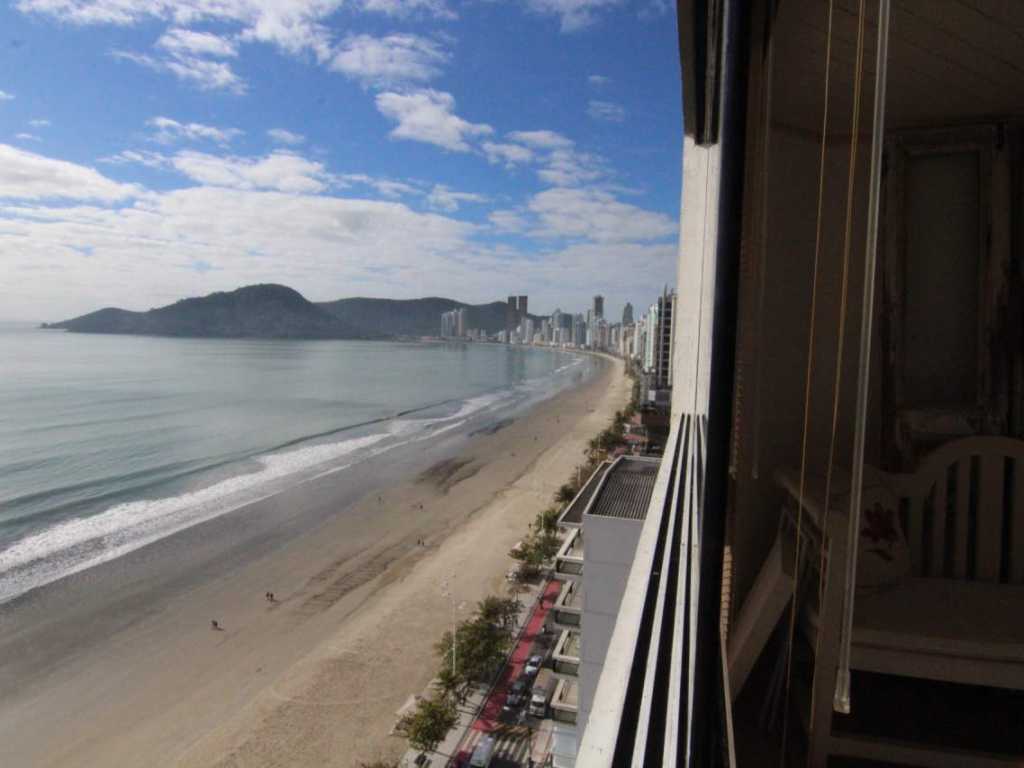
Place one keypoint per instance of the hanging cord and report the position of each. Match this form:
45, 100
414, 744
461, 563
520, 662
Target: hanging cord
762, 248
798, 549
841, 701
858, 79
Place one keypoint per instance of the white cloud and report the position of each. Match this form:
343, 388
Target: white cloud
280, 170
281, 136
30, 176
5, 96
187, 42
145, 254
39, 123
169, 131
509, 154
598, 81
567, 167
27, 137
389, 60
293, 26
386, 187
428, 116
573, 14
508, 221
597, 216
444, 199
206, 74
557, 160
607, 111
140, 157
404, 8
541, 139
148, 248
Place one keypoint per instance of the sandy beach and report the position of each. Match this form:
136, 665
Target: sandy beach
314, 678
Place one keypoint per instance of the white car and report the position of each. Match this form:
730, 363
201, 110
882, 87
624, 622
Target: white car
533, 665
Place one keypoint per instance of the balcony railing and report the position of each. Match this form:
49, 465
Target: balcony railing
566, 655
565, 702
568, 608
569, 560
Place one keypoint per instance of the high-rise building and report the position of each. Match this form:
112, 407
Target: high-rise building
627, 314
651, 336
511, 318
599, 306
448, 323
664, 341
522, 306
454, 324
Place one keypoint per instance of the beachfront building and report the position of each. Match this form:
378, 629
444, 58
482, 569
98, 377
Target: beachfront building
663, 338
605, 520
515, 315
847, 437
454, 325
651, 326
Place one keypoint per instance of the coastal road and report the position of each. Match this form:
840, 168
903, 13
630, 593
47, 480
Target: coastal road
512, 739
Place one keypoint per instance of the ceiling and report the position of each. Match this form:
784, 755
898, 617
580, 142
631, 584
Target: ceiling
950, 61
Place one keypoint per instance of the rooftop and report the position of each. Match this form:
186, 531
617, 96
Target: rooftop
627, 488
573, 513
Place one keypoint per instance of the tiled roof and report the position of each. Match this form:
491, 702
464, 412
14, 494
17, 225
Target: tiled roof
627, 488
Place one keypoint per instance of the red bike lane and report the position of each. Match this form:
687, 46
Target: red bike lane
487, 720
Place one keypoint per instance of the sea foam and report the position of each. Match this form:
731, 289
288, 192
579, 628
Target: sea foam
74, 545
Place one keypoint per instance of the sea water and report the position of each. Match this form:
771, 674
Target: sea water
109, 443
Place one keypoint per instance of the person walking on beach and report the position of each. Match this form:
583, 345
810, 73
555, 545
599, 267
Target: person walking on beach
214, 624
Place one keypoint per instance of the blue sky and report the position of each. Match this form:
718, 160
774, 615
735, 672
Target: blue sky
154, 149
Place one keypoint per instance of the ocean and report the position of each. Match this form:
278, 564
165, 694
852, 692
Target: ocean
111, 443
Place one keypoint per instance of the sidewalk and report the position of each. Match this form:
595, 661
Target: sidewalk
481, 711
513, 740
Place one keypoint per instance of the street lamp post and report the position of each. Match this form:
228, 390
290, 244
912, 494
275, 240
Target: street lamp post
446, 591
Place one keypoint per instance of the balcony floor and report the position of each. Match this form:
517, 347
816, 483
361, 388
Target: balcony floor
939, 715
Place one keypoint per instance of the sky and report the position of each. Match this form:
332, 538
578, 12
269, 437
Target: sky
156, 149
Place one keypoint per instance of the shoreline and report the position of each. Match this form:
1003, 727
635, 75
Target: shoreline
53, 543
163, 689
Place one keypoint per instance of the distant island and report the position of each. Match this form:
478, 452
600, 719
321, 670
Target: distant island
270, 311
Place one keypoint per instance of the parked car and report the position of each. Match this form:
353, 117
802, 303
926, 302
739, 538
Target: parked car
517, 693
533, 665
543, 688
483, 753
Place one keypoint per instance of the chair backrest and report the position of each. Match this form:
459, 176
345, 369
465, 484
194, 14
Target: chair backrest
963, 511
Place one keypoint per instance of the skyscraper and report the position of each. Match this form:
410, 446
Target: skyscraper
627, 314
522, 306
511, 318
599, 306
664, 341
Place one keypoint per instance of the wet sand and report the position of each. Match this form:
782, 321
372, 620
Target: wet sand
134, 675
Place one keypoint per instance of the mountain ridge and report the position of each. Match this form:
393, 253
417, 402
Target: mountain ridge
273, 311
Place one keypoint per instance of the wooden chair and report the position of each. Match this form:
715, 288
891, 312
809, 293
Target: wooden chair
959, 615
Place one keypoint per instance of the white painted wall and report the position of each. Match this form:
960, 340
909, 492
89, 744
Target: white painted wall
608, 556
